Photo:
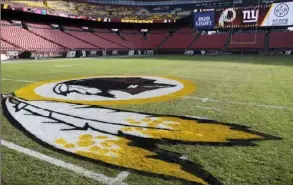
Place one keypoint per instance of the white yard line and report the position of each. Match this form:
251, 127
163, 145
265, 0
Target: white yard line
208, 108
51, 70
77, 169
206, 100
26, 81
121, 177
63, 65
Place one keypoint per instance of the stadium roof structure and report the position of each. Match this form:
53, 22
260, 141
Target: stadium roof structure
153, 2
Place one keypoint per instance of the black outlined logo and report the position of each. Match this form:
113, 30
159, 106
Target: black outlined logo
281, 10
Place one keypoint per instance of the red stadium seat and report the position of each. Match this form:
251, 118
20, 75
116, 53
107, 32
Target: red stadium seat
215, 41
41, 37
114, 38
6, 46
179, 40
62, 38
247, 41
281, 40
26, 40
94, 40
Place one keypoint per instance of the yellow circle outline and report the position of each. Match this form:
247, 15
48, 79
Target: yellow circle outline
29, 94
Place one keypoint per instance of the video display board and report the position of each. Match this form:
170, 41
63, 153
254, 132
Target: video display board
239, 17
276, 14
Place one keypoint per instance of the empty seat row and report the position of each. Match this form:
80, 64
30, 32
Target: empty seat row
94, 40
151, 41
26, 40
247, 41
179, 40
61, 38
6, 45
44, 37
282, 40
215, 41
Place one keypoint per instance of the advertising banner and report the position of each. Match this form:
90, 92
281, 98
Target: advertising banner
70, 54
238, 17
189, 52
131, 52
204, 20
280, 14
4, 57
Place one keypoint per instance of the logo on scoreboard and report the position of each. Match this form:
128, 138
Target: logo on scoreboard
227, 16
204, 20
281, 10
280, 14
250, 16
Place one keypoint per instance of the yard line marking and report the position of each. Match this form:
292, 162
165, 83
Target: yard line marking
205, 100
63, 65
7, 79
54, 70
122, 176
209, 108
77, 169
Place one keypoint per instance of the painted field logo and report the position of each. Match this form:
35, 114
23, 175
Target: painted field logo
108, 90
120, 138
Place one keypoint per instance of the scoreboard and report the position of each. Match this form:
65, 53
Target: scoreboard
276, 14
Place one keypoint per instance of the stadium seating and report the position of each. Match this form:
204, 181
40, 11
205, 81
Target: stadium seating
42, 37
247, 41
132, 31
26, 40
6, 23
186, 30
61, 38
281, 40
44, 26
150, 42
94, 39
100, 30
162, 31
156, 39
114, 38
73, 28
215, 41
6, 46
180, 39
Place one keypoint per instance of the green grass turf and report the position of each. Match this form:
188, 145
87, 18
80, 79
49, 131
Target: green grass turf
256, 79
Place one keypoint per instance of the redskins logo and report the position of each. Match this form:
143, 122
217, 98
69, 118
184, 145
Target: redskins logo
108, 90
228, 15
67, 115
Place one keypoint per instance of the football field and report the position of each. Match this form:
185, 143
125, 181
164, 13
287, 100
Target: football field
234, 116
